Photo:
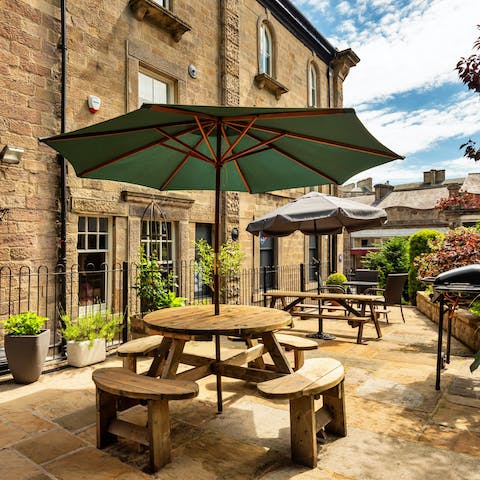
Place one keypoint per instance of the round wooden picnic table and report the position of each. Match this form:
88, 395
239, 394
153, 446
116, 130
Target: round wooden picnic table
249, 322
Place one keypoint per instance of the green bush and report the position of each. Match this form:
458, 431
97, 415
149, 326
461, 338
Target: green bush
391, 257
92, 326
336, 278
418, 243
155, 286
27, 323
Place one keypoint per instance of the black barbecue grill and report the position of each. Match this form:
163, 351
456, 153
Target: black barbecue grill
451, 289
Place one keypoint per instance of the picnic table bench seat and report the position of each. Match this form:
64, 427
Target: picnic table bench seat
318, 377
140, 347
116, 383
298, 344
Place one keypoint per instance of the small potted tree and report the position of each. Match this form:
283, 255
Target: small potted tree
26, 345
87, 336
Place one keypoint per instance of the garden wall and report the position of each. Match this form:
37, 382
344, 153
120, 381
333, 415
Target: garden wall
465, 325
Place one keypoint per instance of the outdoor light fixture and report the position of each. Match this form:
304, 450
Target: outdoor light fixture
11, 155
235, 234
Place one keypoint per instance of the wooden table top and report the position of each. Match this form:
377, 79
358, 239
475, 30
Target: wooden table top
357, 297
237, 320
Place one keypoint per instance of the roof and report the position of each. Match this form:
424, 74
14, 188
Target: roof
296, 23
390, 232
418, 199
472, 183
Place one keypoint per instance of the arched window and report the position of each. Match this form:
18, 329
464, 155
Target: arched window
312, 86
266, 56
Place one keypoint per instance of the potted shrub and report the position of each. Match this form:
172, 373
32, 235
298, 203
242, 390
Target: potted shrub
336, 278
26, 345
87, 336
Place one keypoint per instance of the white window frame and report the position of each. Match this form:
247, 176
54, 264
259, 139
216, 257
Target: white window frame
163, 3
266, 50
150, 244
101, 306
156, 81
312, 86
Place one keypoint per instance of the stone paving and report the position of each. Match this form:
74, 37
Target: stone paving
399, 426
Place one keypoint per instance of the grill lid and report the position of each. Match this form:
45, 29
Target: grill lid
467, 276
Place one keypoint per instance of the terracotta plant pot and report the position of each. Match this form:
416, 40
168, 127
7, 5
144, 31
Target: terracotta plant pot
26, 355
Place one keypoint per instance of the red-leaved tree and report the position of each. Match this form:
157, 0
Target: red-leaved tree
469, 73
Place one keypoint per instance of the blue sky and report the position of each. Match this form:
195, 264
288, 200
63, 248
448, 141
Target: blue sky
405, 89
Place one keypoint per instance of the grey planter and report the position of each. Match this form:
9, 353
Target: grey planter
26, 355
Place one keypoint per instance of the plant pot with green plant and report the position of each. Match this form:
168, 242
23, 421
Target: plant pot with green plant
86, 337
26, 345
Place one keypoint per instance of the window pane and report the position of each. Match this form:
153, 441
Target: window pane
160, 91
145, 93
81, 224
103, 225
102, 242
92, 242
81, 242
92, 224
265, 51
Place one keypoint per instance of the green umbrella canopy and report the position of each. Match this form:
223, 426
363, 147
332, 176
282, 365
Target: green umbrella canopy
176, 147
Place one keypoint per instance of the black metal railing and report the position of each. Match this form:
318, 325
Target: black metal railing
114, 290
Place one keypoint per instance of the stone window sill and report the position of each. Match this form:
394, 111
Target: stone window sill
160, 16
264, 80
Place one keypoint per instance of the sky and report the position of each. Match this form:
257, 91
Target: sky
405, 89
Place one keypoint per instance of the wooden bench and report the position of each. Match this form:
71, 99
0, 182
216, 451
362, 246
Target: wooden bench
298, 344
318, 377
117, 383
148, 346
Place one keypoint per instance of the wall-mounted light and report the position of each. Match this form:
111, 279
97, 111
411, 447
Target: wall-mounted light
11, 155
235, 234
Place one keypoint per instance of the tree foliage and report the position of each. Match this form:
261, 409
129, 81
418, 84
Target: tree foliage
469, 73
418, 243
391, 257
456, 248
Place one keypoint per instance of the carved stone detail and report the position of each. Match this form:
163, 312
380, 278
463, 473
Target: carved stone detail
263, 80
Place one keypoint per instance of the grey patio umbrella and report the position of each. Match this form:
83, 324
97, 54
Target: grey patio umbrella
318, 214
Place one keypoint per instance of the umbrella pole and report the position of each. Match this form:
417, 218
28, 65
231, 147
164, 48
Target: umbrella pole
216, 248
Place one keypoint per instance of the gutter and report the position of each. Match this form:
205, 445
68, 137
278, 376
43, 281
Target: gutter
62, 260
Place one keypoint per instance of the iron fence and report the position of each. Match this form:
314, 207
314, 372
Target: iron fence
114, 290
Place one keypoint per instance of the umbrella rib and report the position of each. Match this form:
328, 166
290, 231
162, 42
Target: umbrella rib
181, 164
324, 141
205, 138
242, 176
190, 150
121, 157
238, 139
255, 148
76, 136
290, 157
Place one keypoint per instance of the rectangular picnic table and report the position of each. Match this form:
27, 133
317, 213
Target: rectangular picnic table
358, 308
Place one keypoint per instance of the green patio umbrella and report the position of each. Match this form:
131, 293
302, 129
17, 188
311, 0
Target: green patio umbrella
245, 149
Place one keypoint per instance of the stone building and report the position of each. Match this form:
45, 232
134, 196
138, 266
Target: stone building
66, 65
410, 208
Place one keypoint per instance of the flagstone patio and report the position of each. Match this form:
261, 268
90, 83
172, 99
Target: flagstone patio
399, 426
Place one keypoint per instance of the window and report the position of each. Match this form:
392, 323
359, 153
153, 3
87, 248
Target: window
266, 56
313, 259
153, 90
312, 86
157, 241
267, 262
92, 246
163, 3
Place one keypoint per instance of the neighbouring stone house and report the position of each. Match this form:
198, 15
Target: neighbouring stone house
117, 55
410, 208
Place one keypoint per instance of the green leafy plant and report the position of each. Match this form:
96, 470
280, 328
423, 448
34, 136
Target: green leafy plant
27, 323
336, 279
155, 286
418, 243
391, 257
456, 248
229, 260
92, 326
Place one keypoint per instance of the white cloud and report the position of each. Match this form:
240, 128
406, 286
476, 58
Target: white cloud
411, 48
408, 132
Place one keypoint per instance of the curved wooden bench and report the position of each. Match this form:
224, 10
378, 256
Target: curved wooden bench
318, 377
298, 345
117, 383
140, 347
